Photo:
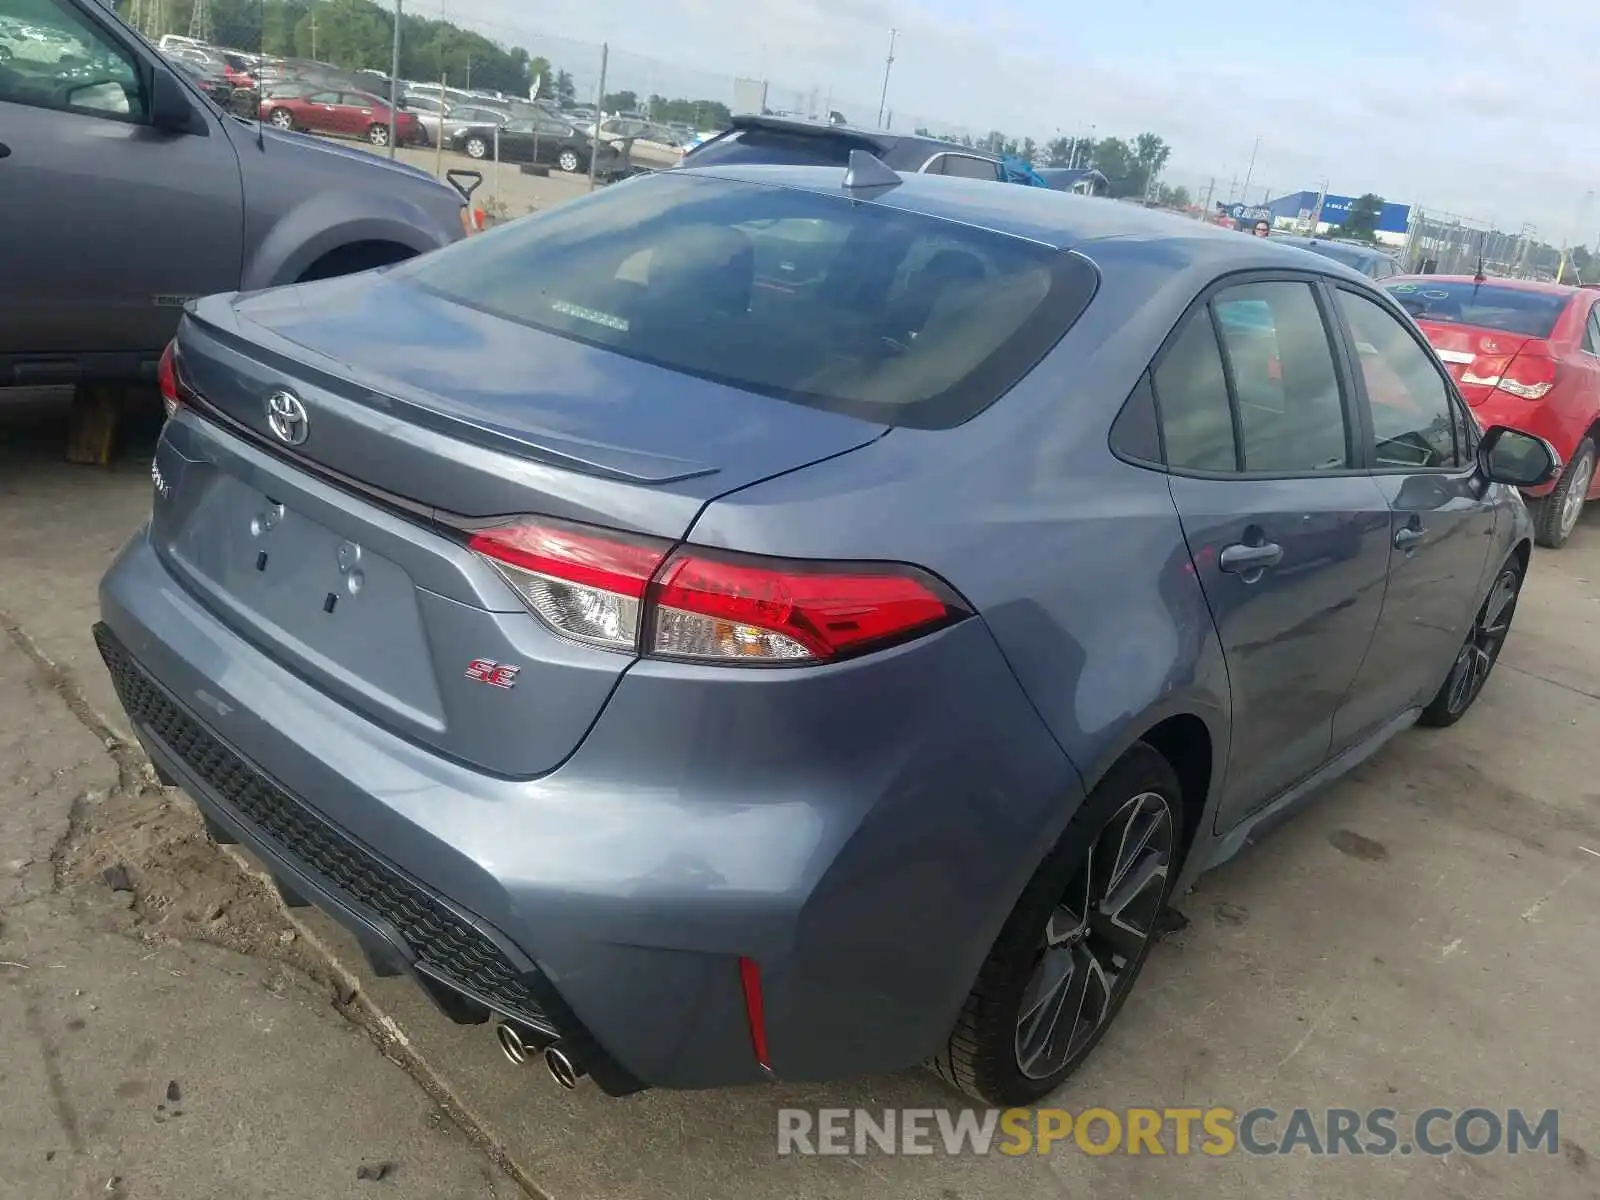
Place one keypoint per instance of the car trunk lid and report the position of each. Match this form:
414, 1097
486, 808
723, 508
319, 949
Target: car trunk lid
342, 556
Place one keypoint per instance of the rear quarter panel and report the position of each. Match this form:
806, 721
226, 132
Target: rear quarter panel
1074, 559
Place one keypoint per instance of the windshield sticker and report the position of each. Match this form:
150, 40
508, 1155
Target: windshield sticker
1435, 294
620, 324
1404, 287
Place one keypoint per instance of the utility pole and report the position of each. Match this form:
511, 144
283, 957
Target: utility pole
200, 21
313, 29
888, 65
1250, 170
394, 84
1316, 213
1205, 207
599, 101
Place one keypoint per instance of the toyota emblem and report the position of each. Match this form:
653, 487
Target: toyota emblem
287, 419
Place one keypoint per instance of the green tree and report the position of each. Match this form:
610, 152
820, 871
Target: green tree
1177, 197
1030, 150
1362, 223
565, 90
1058, 153
620, 102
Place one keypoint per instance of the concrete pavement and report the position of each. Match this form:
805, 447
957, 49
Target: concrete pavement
1423, 935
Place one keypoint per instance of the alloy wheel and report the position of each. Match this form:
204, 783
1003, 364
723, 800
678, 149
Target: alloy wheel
477, 148
568, 162
378, 135
1572, 503
282, 119
1482, 647
1096, 937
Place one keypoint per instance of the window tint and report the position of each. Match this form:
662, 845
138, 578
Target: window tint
50, 57
1413, 420
324, 98
967, 167
1192, 398
794, 294
1291, 413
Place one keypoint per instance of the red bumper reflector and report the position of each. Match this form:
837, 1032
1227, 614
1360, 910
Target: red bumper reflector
750, 980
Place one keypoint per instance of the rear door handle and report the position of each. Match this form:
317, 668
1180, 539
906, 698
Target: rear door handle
1240, 559
1408, 537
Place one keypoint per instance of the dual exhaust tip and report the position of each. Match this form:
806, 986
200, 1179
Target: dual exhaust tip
519, 1051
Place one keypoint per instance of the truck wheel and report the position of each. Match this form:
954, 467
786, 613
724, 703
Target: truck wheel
1558, 512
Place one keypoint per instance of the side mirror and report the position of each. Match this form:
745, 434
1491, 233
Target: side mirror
171, 109
1517, 459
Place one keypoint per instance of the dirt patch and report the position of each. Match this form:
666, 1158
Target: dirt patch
182, 887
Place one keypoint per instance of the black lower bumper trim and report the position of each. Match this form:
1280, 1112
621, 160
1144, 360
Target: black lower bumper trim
398, 921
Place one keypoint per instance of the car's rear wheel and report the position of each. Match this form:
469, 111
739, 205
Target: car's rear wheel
477, 147
378, 134
281, 118
569, 161
1479, 652
1558, 513
1073, 945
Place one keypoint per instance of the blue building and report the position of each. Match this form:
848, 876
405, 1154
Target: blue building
1298, 206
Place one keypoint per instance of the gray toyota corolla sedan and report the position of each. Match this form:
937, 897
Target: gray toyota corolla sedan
789, 622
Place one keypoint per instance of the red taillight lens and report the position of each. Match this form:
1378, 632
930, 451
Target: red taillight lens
732, 608
627, 594
755, 1010
167, 377
1532, 372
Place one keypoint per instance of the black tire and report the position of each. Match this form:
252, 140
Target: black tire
1479, 653
569, 161
476, 147
1558, 513
281, 118
378, 133
984, 1053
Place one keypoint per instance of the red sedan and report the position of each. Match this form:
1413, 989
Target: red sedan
350, 114
1524, 354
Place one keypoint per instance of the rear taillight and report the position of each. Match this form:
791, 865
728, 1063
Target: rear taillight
638, 595
167, 377
1532, 372
1529, 373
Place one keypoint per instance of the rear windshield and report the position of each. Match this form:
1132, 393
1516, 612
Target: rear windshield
853, 307
779, 147
1513, 310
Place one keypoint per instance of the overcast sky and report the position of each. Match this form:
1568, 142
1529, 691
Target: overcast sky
1460, 105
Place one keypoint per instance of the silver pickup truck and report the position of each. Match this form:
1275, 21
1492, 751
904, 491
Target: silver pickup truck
127, 193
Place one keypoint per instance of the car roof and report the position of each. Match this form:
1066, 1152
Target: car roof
1525, 285
1059, 219
1294, 239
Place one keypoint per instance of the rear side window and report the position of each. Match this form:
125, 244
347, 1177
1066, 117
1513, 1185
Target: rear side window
777, 147
857, 308
1192, 396
964, 166
1462, 302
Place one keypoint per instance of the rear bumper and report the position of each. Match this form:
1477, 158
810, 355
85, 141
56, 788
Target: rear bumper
860, 831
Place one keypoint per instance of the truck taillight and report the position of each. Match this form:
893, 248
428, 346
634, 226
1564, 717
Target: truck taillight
639, 595
167, 377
